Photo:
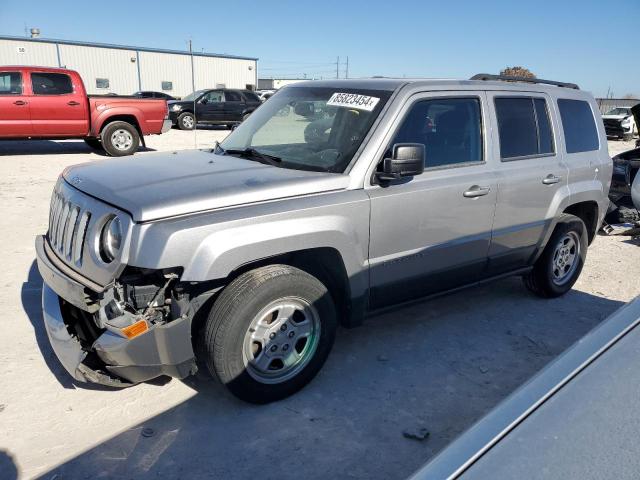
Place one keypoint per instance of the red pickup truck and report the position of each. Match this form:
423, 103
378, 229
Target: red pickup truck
42, 102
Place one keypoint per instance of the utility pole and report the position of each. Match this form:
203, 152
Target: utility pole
346, 75
338, 68
193, 87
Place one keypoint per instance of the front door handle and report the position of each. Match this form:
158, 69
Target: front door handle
73, 103
19, 102
476, 191
550, 179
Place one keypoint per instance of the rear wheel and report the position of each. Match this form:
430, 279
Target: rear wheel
561, 262
120, 139
94, 143
269, 333
186, 121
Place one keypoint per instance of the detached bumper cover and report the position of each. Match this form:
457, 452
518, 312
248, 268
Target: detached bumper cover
162, 350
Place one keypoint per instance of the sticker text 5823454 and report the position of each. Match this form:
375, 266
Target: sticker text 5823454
353, 100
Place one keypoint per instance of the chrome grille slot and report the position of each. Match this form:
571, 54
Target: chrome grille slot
68, 224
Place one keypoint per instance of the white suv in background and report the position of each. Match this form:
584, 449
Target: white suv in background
619, 122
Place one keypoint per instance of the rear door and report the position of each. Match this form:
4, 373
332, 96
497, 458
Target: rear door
432, 232
531, 173
210, 107
58, 105
15, 120
234, 105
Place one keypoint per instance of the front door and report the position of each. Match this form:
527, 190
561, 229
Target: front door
210, 107
15, 120
531, 174
432, 233
58, 107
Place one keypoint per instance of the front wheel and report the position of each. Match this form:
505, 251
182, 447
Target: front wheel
119, 139
561, 262
186, 121
269, 333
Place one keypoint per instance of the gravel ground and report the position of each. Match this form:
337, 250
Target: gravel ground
437, 365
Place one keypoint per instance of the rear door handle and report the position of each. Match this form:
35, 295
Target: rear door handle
19, 102
73, 103
550, 179
476, 191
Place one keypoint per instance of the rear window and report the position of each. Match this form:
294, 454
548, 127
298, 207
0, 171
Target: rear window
578, 124
51, 83
524, 127
10, 83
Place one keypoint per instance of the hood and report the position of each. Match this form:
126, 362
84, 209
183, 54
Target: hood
162, 185
615, 117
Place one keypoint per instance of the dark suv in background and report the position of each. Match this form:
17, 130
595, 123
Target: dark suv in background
220, 106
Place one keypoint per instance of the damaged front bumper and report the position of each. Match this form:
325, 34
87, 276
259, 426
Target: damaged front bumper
111, 359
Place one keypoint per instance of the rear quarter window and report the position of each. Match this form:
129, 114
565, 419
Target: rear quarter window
579, 126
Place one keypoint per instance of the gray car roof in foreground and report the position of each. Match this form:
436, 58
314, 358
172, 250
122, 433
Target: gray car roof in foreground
392, 84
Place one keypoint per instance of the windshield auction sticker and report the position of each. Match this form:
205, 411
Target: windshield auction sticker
353, 100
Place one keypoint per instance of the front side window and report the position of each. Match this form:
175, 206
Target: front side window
578, 124
309, 128
10, 83
449, 128
524, 127
213, 97
51, 83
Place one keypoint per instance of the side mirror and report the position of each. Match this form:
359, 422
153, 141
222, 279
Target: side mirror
304, 109
407, 160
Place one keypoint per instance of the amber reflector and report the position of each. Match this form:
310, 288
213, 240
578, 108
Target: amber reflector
135, 329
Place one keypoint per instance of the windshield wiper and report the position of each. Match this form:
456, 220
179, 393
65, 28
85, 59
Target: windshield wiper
253, 154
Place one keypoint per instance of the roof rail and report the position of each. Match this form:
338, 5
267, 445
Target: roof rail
488, 76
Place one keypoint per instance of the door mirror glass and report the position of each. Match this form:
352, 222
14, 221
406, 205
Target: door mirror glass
407, 160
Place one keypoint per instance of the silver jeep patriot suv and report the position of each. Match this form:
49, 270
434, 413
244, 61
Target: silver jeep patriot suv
332, 200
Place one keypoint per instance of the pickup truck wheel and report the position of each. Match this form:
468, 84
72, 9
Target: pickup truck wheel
269, 333
94, 143
561, 262
120, 139
186, 121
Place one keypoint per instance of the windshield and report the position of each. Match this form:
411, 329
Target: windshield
192, 96
619, 111
310, 128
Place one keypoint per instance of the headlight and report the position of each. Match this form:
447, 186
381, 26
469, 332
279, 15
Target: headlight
110, 239
626, 121
176, 108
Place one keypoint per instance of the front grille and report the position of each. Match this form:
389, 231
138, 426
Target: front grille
67, 228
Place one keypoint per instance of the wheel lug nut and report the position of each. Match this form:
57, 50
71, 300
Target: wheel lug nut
285, 347
272, 335
274, 348
291, 334
283, 327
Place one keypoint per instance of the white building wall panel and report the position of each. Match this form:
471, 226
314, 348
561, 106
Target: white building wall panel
120, 67
16, 52
209, 72
156, 68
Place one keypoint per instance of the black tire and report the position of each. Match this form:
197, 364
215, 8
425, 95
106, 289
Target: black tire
94, 143
541, 279
111, 142
233, 313
186, 121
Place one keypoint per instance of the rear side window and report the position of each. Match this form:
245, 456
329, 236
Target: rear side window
252, 97
51, 83
578, 124
10, 83
232, 97
449, 128
524, 127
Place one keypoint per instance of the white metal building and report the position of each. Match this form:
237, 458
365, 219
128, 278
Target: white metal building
121, 69
276, 83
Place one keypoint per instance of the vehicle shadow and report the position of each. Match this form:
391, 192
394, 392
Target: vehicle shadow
8, 466
439, 364
51, 147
